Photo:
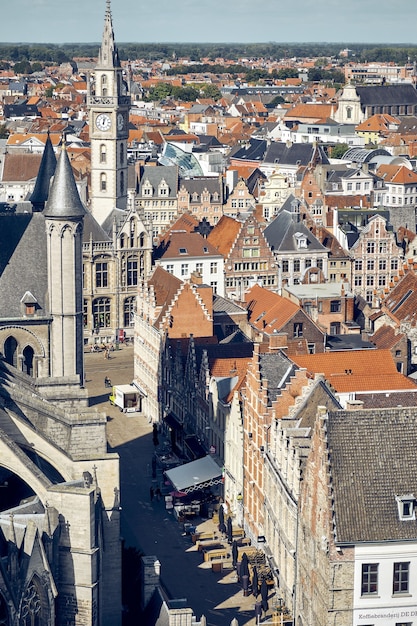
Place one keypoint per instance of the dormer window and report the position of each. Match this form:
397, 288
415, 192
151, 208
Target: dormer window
29, 303
301, 240
406, 507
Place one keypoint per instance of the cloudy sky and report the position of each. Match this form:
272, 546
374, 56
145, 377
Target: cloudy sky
353, 21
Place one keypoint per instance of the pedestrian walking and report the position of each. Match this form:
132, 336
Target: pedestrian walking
151, 492
158, 493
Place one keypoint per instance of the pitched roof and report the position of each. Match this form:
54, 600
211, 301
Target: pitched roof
372, 459
21, 166
282, 235
296, 154
267, 310
311, 111
224, 234
387, 95
356, 370
185, 245
397, 174
386, 337
401, 302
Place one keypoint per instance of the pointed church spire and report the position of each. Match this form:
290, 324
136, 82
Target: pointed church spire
108, 55
64, 200
46, 171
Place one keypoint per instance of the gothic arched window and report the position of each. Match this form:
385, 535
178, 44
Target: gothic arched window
28, 354
10, 351
33, 610
103, 182
103, 153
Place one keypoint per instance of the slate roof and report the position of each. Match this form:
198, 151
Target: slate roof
280, 235
296, 154
387, 95
155, 174
199, 183
372, 459
226, 306
64, 200
254, 150
23, 262
277, 369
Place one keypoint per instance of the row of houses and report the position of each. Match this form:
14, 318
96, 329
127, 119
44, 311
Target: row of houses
298, 433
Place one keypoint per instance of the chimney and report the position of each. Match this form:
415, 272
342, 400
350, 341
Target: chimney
196, 278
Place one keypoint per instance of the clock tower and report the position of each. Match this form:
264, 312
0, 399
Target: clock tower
108, 109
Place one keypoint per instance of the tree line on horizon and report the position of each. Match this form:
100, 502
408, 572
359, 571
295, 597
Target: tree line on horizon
54, 54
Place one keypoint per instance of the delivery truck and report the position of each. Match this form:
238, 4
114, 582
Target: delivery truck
127, 398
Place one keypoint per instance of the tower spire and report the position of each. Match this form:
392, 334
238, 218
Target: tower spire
64, 199
46, 171
108, 55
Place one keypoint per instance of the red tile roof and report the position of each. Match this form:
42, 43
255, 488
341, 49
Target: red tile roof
356, 370
267, 310
224, 234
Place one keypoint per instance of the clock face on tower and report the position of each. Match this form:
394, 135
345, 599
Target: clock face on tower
120, 122
103, 121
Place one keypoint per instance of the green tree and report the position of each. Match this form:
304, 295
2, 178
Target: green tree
23, 67
185, 94
211, 91
159, 92
339, 150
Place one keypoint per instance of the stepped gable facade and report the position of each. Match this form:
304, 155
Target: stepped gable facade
278, 322
363, 560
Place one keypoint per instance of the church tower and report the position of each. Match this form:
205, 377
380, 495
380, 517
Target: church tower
108, 107
64, 215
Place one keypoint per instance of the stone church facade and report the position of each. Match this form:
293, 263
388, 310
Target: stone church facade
60, 547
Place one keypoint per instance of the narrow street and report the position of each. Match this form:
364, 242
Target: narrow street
147, 525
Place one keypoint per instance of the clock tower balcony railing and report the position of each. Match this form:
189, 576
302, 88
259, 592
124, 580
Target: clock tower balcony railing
108, 101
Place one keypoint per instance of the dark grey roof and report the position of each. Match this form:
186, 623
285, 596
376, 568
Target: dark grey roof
199, 183
210, 141
373, 459
92, 229
168, 173
277, 369
297, 154
255, 150
116, 215
387, 95
23, 262
280, 235
20, 110
64, 200
224, 305
348, 342
408, 125
43, 180
237, 337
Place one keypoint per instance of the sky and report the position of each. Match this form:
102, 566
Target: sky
214, 21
